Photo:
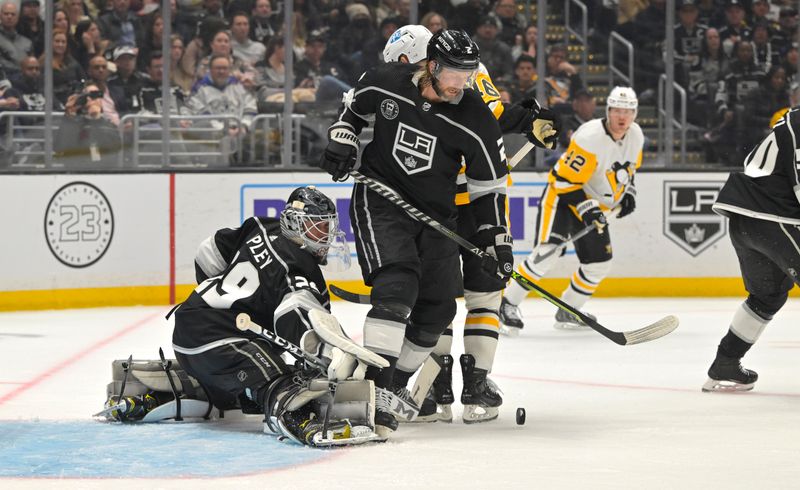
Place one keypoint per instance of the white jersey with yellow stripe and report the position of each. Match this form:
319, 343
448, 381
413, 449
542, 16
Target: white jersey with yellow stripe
595, 162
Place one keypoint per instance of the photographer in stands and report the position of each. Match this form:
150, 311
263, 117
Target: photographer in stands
85, 138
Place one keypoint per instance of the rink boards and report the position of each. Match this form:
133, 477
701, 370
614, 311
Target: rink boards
122, 239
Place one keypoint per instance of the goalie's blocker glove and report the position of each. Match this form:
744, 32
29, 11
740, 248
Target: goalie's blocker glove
499, 246
541, 125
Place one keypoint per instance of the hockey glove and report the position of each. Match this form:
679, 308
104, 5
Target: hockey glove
499, 246
340, 155
628, 204
591, 214
541, 125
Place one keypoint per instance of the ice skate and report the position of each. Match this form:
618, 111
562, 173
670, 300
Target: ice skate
129, 408
442, 389
510, 319
403, 404
385, 422
565, 321
727, 374
480, 395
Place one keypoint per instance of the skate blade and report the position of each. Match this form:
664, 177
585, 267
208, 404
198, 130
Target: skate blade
383, 432
475, 414
509, 331
355, 436
570, 326
107, 412
445, 413
722, 386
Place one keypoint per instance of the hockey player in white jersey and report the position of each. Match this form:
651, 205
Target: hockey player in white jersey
595, 174
482, 291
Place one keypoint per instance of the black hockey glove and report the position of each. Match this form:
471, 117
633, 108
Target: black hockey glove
499, 246
541, 125
340, 155
591, 214
627, 205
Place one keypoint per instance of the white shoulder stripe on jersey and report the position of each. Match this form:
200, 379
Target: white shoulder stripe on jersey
754, 214
387, 92
480, 188
302, 298
207, 347
475, 136
209, 258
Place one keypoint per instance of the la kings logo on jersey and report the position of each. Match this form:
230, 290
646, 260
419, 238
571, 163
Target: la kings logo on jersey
689, 220
413, 149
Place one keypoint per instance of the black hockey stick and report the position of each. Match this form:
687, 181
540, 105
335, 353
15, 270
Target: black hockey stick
243, 322
650, 332
577, 236
350, 297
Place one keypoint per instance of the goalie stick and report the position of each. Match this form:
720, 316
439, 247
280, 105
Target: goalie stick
243, 322
645, 334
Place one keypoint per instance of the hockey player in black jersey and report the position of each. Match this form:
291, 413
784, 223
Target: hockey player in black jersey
763, 207
426, 121
268, 269
482, 290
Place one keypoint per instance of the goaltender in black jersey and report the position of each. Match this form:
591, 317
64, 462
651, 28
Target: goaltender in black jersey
763, 207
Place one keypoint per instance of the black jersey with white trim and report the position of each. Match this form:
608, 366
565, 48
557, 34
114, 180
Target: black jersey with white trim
259, 272
418, 145
769, 187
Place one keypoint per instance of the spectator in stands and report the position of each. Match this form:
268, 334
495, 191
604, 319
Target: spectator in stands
120, 25
97, 74
179, 76
29, 86
525, 77
31, 24
151, 89
88, 42
765, 54
434, 22
708, 13
271, 71
61, 21
213, 8
245, 48
649, 33
526, 43
511, 21
220, 93
372, 54
495, 54
562, 79
736, 28
199, 46
126, 81
790, 63
13, 46
312, 71
66, 69
787, 33
357, 33
76, 11
583, 107
743, 79
300, 35
794, 101
221, 46
702, 90
761, 14
86, 139
467, 15
762, 103
151, 41
627, 11
689, 37
263, 25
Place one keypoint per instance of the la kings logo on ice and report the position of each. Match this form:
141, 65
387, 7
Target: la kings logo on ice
78, 224
688, 218
413, 149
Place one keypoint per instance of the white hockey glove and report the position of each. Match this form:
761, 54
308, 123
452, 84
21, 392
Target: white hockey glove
345, 358
591, 214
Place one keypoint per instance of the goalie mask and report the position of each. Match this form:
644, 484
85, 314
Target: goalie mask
453, 61
311, 221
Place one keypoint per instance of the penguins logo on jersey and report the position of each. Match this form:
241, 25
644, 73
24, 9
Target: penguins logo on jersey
389, 109
688, 218
413, 149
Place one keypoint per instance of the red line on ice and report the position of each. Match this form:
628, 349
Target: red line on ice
71, 360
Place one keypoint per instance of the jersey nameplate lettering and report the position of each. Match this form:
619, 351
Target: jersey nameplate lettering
413, 149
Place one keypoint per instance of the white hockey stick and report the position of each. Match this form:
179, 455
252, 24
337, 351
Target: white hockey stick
520, 154
243, 322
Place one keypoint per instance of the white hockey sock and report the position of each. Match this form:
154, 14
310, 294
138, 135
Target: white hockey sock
445, 342
585, 282
412, 356
747, 325
481, 328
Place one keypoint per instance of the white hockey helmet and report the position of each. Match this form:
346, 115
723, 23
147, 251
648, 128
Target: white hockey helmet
622, 98
411, 40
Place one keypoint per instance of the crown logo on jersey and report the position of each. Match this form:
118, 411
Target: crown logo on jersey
694, 234
410, 162
689, 220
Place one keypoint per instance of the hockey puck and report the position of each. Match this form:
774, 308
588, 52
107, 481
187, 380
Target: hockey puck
520, 416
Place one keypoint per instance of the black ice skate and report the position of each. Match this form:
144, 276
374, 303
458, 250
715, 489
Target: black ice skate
565, 321
128, 408
727, 374
442, 389
403, 405
510, 319
480, 395
385, 423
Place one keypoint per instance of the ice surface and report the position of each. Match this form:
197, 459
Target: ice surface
598, 415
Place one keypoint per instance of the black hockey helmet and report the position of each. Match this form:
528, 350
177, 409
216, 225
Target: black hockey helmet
311, 221
454, 49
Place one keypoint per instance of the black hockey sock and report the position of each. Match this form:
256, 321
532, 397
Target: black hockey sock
401, 377
382, 377
732, 346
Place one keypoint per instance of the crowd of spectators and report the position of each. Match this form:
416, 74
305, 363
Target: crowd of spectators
736, 58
